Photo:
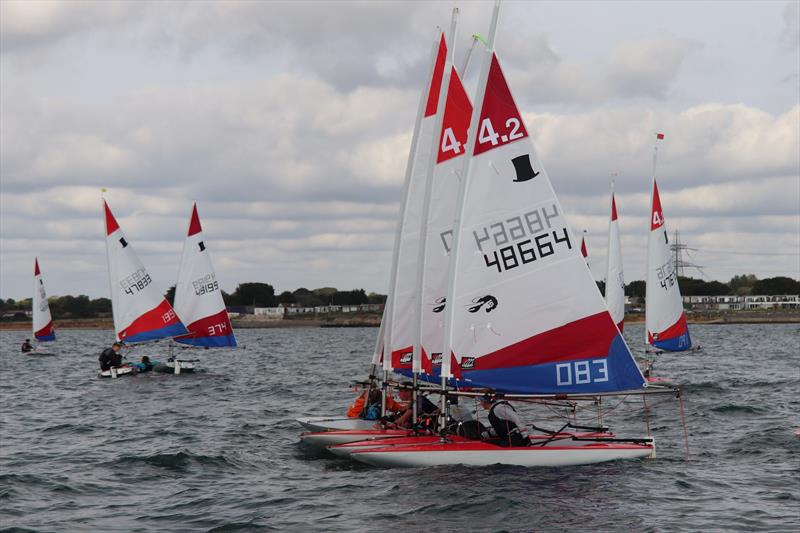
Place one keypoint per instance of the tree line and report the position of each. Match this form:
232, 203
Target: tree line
263, 295
737, 286
246, 294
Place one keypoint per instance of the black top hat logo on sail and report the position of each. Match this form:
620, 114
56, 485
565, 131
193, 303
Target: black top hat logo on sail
202, 246
489, 301
524, 169
123, 242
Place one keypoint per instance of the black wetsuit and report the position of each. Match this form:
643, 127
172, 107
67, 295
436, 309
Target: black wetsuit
508, 433
109, 358
26, 347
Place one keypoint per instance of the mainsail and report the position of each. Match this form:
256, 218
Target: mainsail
42, 322
664, 315
452, 143
198, 298
141, 313
401, 331
524, 313
615, 282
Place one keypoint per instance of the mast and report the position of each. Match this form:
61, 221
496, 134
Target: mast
390, 302
462, 194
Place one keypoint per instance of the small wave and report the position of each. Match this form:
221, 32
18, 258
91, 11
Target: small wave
180, 461
736, 409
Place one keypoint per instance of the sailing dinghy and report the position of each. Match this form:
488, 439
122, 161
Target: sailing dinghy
141, 313
666, 327
42, 321
396, 337
615, 281
198, 300
523, 314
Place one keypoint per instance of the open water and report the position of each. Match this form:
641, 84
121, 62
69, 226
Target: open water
218, 450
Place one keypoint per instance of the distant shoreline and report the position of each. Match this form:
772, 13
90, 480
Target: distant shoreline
374, 321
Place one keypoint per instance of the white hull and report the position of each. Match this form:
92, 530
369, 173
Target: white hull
327, 423
39, 353
470, 455
117, 372
168, 367
332, 438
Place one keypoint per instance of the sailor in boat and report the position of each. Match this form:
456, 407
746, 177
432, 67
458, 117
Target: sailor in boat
508, 427
145, 365
110, 357
367, 405
27, 346
426, 410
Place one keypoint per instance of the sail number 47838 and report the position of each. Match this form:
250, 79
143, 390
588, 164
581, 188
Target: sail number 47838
581, 372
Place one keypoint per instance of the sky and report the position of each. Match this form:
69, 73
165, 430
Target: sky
289, 123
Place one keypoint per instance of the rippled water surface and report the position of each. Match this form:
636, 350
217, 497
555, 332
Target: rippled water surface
218, 450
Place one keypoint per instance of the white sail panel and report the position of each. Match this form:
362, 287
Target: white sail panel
402, 332
664, 315
42, 321
141, 312
198, 297
615, 282
439, 231
526, 313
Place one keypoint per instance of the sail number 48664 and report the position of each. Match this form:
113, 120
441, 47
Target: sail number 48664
581, 372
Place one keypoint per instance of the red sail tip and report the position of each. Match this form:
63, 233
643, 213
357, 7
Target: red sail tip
455, 124
659, 136
111, 222
36, 271
613, 208
584, 253
194, 224
500, 122
436, 79
657, 215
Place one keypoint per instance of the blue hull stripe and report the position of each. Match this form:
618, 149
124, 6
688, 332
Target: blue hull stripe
46, 338
220, 341
172, 330
676, 344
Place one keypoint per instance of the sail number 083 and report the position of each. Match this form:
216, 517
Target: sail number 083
486, 133
581, 372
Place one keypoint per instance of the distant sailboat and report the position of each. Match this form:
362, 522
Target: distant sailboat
141, 313
615, 282
666, 327
42, 321
198, 298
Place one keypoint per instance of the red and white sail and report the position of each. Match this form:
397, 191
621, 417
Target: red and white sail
451, 147
198, 297
141, 313
524, 313
42, 321
615, 282
665, 319
402, 316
